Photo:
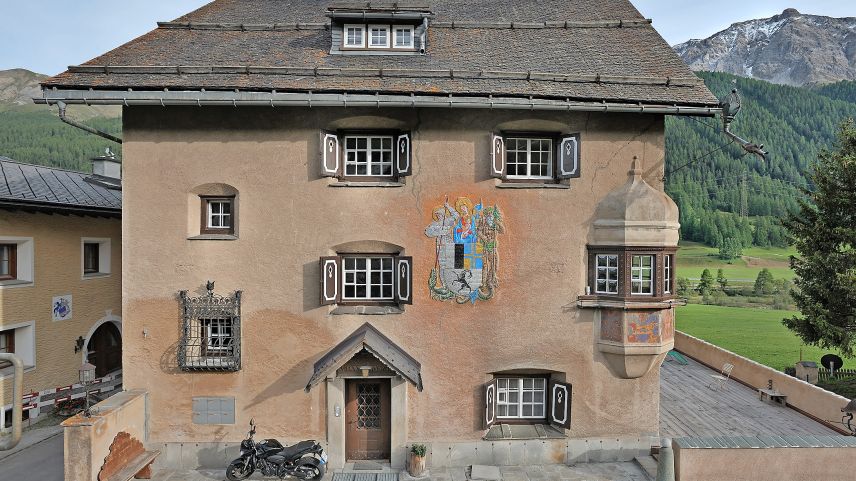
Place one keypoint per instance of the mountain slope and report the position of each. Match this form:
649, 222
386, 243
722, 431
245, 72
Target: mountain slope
793, 123
790, 48
33, 133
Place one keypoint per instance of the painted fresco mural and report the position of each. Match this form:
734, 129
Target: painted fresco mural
466, 257
645, 328
611, 324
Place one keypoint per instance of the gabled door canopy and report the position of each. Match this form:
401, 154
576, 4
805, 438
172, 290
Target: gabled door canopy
369, 338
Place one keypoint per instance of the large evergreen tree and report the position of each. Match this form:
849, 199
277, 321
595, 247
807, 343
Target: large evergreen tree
824, 231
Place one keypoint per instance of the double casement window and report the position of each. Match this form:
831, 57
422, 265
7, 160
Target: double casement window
8, 261
534, 156
606, 272
218, 215
377, 37
642, 275
358, 156
211, 332
521, 398
631, 271
369, 279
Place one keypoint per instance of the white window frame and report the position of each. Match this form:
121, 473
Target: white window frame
25, 346
104, 255
637, 275
369, 160
369, 36
346, 271
209, 213
395, 29
362, 29
25, 262
504, 387
511, 141
667, 274
612, 273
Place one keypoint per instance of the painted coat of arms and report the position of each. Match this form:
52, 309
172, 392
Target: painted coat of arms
61, 308
467, 259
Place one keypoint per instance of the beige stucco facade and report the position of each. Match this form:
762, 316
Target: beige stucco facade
289, 216
56, 269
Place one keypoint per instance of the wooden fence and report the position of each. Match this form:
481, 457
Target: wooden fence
824, 374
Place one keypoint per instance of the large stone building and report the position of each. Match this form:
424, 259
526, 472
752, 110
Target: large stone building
423, 223
60, 278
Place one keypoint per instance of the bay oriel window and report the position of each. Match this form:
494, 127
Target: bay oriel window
631, 272
366, 156
211, 332
366, 279
534, 156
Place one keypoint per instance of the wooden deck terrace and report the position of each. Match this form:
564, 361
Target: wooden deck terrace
688, 407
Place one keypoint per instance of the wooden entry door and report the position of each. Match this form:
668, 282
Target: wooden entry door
105, 349
367, 419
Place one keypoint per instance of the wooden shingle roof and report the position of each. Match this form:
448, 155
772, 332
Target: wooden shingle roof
584, 50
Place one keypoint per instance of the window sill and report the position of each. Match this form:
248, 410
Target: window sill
629, 303
366, 310
95, 275
9, 371
15, 283
225, 237
501, 431
350, 183
531, 185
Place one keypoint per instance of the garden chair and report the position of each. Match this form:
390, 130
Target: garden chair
720, 379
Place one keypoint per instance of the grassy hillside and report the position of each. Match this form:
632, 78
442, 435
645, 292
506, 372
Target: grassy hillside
694, 257
753, 333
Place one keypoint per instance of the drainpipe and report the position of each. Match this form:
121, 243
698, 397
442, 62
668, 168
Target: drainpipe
17, 400
666, 461
87, 128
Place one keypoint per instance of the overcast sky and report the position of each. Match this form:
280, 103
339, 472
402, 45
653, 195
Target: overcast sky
47, 35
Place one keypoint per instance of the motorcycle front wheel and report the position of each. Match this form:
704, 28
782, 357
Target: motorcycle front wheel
237, 471
310, 472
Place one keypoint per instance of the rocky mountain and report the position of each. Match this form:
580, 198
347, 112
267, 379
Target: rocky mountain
790, 48
19, 86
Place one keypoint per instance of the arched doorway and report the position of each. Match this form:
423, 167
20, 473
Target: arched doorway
105, 349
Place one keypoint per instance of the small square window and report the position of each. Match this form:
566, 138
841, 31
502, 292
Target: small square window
368, 156
354, 36
90, 257
642, 275
606, 274
529, 158
378, 36
8, 261
218, 216
522, 398
403, 37
367, 279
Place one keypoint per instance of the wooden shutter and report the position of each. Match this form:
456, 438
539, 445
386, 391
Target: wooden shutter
497, 156
403, 156
403, 279
560, 404
569, 157
490, 404
330, 282
330, 162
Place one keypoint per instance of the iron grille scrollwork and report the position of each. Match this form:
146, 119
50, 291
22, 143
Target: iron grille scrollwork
211, 332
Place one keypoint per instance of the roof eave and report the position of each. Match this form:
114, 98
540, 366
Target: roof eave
55, 208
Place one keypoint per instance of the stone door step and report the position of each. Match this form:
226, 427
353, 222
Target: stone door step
365, 477
648, 464
485, 473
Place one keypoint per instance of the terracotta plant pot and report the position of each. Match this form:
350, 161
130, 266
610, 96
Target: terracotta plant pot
416, 466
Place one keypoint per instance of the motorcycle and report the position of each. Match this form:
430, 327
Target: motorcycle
305, 460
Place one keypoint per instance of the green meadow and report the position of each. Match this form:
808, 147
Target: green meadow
757, 334
693, 258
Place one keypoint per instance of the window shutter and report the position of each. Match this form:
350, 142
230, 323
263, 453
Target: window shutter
403, 279
490, 404
330, 280
402, 155
497, 156
329, 154
560, 404
569, 157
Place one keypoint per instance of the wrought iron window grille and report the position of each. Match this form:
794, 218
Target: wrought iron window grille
211, 332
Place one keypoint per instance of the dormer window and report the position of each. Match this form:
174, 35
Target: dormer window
378, 36
354, 36
403, 37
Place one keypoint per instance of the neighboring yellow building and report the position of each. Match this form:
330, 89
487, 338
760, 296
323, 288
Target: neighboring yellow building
60, 278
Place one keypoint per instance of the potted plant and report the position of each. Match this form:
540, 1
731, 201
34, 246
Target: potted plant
416, 466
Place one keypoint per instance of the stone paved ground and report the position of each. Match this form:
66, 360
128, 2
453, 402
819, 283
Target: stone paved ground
581, 472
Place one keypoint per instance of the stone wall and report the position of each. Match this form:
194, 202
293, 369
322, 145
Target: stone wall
820, 404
